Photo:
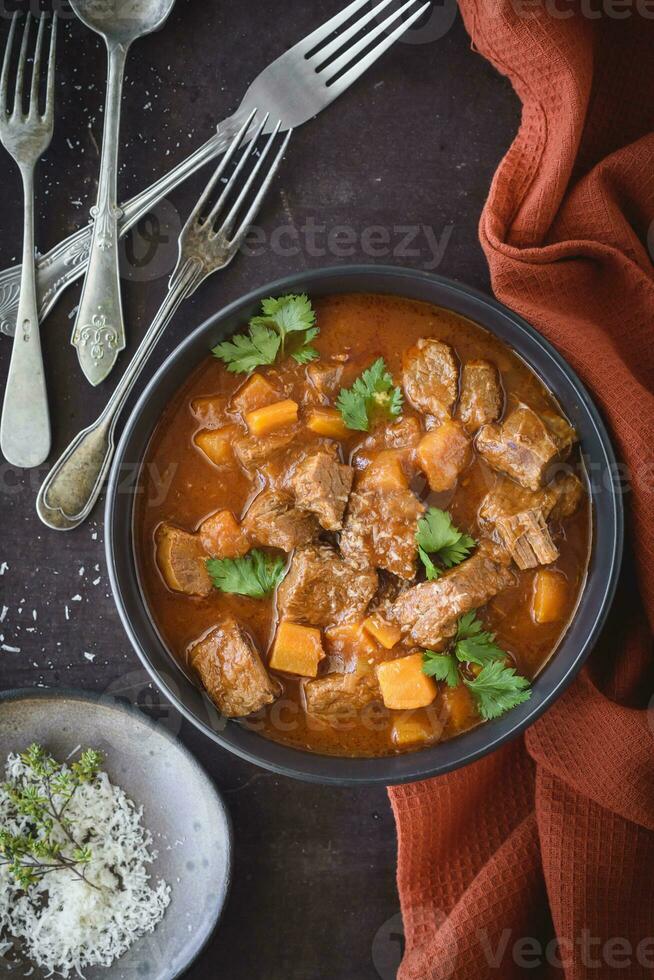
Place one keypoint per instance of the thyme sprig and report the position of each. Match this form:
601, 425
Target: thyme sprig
42, 796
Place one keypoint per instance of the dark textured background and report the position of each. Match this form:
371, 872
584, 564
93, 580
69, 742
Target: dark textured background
413, 143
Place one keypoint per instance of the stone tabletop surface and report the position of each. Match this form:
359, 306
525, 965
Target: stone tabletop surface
396, 171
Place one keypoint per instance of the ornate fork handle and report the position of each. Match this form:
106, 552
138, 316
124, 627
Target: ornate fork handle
67, 261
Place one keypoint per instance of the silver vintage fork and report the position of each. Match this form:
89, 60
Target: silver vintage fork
73, 485
293, 88
25, 424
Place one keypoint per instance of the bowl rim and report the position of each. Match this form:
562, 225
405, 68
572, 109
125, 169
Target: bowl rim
17, 694
557, 675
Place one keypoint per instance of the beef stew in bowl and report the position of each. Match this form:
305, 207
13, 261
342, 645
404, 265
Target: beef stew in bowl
377, 527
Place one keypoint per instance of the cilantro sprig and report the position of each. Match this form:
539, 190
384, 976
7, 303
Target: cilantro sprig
286, 326
247, 351
256, 575
437, 536
372, 393
497, 688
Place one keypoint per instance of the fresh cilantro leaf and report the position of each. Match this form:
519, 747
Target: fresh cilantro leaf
436, 535
287, 314
256, 575
433, 571
475, 645
267, 335
468, 625
372, 392
441, 666
353, 410
246, 351
497, 689
305, 352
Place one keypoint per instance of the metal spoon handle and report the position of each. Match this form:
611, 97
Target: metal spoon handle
99, 333
25, 425
72, 487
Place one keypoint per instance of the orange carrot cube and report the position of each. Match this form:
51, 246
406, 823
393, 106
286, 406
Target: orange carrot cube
216, 444
222, 537
297, 649
328, 422
386, 472
443, 453
459, 707
416, 728
404, 685
385, 633
350, 640
264, 420
549, 597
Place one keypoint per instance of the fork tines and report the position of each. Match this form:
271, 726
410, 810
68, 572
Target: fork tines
322, 47
250, 189
17, 108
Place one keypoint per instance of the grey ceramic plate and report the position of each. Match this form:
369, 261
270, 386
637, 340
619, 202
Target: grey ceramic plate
182, 809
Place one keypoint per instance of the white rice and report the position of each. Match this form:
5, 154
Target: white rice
64, 924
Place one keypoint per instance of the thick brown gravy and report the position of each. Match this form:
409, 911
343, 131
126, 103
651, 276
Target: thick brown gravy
178, 484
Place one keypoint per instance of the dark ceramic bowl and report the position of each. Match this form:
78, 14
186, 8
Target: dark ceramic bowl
575, 646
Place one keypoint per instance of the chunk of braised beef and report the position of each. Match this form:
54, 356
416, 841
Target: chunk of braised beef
254, 393
506, 497
427, 613
430, 377
338, 698
322, 485
518, 517
525, 445
481, 397
231, 670
389, 589
380, 529
569, 493
181, 560
527, 538
273, 520
403, 434
321, 588
325, 379
253, 452
210, 410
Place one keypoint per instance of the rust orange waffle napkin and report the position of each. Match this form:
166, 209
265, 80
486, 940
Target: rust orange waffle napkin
538, 861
